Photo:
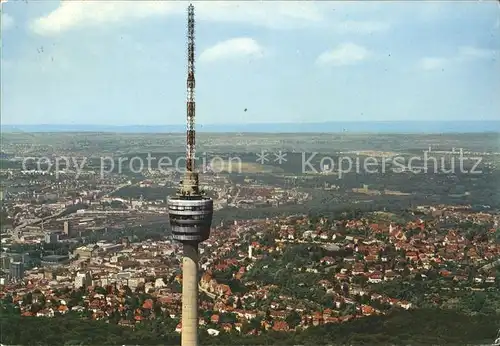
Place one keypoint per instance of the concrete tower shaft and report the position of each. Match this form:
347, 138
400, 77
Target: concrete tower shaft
189, 321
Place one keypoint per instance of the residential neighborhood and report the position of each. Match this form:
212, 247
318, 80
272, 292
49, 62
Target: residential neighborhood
280, 274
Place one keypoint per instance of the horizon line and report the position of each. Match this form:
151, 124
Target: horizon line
330, 127
261, 123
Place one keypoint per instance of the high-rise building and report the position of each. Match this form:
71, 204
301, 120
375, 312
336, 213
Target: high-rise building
68, 230
190, 211
83, 280
16, 270
5, 261
51, 237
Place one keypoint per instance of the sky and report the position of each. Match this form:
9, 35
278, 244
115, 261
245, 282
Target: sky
124, 63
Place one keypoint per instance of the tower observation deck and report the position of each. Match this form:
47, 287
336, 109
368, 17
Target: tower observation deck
190, 211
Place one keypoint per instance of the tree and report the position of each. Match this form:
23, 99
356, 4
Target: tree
28, 299
479, 300
129, 315
245, 328
228, 318
421, 326
128, 291
360, 280
157, 309
7, 299
115, 317
100, 290
350, 309
293, 319
256, 323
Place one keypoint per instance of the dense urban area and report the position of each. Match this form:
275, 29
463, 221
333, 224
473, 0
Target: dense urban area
302, 250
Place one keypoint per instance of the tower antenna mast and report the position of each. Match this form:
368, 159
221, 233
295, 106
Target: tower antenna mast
190, 102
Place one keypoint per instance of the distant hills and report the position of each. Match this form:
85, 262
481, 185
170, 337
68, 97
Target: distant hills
328, 127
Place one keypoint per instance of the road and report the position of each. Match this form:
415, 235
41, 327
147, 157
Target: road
59, 212
211, 295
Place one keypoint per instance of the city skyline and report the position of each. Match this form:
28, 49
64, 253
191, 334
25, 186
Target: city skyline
309, 62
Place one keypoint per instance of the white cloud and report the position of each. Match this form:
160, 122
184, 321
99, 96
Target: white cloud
344, 54
467, 53
73, 14
7, 21
361, 27
233, 49
272, 14
432, 63
464, 54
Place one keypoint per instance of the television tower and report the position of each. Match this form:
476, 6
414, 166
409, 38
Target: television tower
190, 211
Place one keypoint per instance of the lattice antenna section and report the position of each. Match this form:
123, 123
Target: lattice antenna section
190, 102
